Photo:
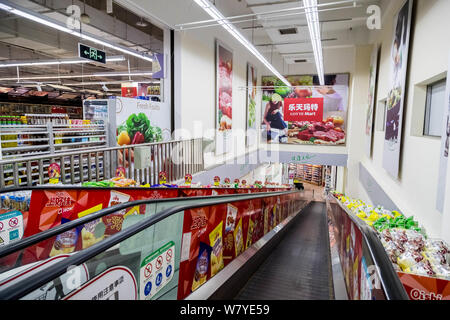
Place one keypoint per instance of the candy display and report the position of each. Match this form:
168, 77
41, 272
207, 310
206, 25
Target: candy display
405, 242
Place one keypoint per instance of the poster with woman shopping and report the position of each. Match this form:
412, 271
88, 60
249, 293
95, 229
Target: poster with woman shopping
306, 112
397, 87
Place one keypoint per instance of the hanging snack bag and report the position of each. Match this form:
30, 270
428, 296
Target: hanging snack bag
215, 239
238, 238
201, 269
65, 242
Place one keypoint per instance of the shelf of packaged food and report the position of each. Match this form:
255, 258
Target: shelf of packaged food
78, 137
76, 131
22, 133
7, 157
59, 145
36, 147
24, 140
76, 126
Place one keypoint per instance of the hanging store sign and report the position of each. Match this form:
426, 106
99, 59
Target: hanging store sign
303, 109
90, 53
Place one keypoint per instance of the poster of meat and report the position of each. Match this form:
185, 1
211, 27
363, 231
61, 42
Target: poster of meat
251, 137
305, 113
224, 105
371, 99
445, 145
397, 87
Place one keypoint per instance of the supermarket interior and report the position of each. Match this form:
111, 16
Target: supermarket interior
224, 150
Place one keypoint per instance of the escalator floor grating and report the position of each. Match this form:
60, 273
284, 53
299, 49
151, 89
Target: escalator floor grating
299, 268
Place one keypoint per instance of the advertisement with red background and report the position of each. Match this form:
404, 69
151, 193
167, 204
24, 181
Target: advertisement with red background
243, 223
53, 206
425, 288
303, 109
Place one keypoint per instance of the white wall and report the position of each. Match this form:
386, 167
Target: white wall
415, 191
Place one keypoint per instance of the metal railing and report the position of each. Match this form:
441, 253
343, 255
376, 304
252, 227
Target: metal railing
176, 158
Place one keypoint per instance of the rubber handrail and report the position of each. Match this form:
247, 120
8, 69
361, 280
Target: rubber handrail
392, 286
41, 236
21, 288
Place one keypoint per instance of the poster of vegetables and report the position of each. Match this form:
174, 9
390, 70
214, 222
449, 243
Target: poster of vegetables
330, 129
371, 99
224, 105
396, 95
141, 121
251, 137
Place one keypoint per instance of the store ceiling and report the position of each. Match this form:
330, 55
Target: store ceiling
22, 39
343, 24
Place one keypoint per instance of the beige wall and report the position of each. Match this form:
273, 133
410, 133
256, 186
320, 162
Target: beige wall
415, 191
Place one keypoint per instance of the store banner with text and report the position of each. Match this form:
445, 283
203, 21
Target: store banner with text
303, 109
305, 112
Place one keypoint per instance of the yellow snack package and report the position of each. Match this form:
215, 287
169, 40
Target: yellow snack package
248, 243
215, 240
238, 238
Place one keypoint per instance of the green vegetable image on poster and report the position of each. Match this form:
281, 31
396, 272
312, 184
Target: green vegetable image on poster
136, 130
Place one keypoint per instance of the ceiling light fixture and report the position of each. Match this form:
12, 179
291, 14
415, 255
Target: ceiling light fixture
210, 9
31, 15
312, 17
141, 23
27, 63
72, 76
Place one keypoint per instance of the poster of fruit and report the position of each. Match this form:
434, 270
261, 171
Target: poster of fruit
397, 86
251, 138
445, 145
305, 113
141, 121
224, 100
371, 99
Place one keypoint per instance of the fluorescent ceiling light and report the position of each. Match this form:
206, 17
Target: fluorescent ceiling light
31, 15
312, 17
26, 63
210, 9
98, 83
105, 74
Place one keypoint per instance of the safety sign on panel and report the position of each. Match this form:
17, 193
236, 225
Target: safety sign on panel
157, 270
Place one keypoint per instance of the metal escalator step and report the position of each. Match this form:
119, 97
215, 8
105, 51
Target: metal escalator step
299, 267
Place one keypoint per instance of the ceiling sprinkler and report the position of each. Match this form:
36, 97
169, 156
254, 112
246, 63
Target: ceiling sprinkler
141, 23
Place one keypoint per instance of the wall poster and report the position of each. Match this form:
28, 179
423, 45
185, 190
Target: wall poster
224, 101
305, 113
251, 138
445, 145
372, 98
397, 88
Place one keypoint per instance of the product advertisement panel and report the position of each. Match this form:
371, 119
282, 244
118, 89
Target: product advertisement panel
251, 105
371, 99
305, 113
397, 87
224, 98
141, 121
445, 145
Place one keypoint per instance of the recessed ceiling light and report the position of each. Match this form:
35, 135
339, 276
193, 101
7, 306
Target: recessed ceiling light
141, 23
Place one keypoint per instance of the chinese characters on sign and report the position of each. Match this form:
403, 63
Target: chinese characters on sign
303, 109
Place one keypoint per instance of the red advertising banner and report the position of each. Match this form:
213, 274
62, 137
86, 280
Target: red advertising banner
425, 288
303, 109
214, 236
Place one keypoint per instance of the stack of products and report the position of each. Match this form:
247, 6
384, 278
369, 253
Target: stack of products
406, 244
19, 201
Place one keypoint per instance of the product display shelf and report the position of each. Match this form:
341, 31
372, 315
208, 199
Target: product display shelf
23, 140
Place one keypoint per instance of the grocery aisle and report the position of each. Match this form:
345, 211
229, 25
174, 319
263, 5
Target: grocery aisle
299, 268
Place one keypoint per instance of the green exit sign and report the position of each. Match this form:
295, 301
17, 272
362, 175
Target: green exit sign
90, 53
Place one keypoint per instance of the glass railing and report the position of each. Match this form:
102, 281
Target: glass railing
166, 251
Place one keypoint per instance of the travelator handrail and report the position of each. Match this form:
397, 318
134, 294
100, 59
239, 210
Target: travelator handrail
23, 287
44, 235
391, 284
